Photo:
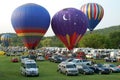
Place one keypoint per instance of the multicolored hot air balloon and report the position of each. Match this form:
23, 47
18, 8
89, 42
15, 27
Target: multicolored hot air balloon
94, 12
5, 39
30, 21
69, 25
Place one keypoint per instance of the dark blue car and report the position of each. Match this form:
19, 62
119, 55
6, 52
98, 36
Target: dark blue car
100, 69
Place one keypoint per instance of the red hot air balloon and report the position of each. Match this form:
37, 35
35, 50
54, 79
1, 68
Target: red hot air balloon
30, 21
69, 25
94, 12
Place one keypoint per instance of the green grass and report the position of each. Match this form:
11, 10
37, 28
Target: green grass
11, 71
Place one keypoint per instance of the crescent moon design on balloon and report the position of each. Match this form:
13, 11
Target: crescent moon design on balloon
64, 18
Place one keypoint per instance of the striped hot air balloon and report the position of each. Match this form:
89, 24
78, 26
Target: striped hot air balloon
69, 25
94, 12
30, 21
6, 39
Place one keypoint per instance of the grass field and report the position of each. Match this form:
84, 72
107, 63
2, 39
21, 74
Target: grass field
47, 70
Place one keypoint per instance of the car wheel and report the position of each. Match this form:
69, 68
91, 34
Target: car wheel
26, 75
84, 73
37, 75
111, 71
87, 64
59, 71
21, 71
66, 73
76, 74
100, 72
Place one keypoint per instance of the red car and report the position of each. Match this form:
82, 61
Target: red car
14, 59
118, 66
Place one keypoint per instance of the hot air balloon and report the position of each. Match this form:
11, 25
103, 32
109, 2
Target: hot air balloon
30, 21
69, 25
5, 39
94, 12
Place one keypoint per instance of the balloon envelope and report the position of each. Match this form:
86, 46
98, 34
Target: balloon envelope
5, 39
94, 12
69, 25
30, 21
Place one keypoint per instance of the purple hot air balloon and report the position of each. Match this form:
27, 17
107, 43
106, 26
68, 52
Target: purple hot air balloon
69, 25
30, 21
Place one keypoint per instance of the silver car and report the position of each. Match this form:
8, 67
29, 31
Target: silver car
68, 69
81, 62
112, 67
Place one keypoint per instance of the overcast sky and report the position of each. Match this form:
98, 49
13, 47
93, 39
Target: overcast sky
111, 11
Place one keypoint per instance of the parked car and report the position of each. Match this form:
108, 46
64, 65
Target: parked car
22, 58
112, 67
89, 56
81, 61
107, 59
2, 53
7, 54
68, 69
118, 66
57, 58
18, 53
40, 58
29, 68
14, 59
84, 69
68, 60
100, 69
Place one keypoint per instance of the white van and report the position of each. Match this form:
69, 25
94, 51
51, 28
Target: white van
29, 68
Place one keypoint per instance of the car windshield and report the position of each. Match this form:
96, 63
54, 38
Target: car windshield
85, 60
31, 65
85, 67
69, 60
24, 57
99, 65
70, 66
75, 61
112, 65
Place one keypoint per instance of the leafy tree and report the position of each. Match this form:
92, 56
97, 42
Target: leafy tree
115, 39
56, 42
46, 42
94, 41
52, 41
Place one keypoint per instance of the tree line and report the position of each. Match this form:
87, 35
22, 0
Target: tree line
101, 38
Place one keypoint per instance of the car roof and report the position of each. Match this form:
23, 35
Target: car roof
29, 61
67, 63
